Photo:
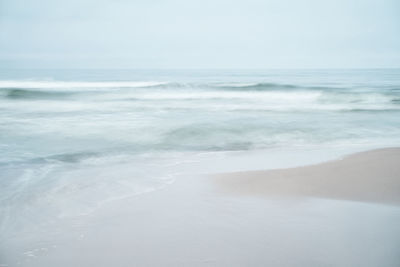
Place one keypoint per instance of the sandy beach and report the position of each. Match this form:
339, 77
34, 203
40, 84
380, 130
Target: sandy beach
372, 176
339, 213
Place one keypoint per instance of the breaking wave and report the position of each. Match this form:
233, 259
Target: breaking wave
76, 84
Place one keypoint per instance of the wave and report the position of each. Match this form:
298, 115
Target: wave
204, 95
265, 86
370, 110
76, 84
244, 86
261, 95
213, 100
21, 93
297, 97
256, 86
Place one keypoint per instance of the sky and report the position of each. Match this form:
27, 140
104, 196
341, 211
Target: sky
176, 34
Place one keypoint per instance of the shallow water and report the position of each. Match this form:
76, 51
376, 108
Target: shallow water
190, 224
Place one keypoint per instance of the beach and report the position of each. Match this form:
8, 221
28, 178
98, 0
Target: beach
240, 219
372, 176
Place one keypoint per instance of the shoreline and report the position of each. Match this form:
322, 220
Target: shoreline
371, 176
189, 223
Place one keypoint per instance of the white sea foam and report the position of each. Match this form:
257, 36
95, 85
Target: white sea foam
267, 96
76, 84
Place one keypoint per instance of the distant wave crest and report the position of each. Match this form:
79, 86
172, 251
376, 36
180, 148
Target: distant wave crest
255, 86
76, 84
227, 95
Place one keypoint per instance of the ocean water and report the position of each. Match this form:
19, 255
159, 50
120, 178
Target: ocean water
71, 140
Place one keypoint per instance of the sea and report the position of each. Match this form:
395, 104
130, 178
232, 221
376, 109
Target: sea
72, 140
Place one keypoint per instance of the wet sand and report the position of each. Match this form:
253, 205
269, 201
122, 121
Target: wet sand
372, 176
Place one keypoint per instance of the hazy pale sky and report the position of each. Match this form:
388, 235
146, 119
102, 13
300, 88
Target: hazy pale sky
199, 34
